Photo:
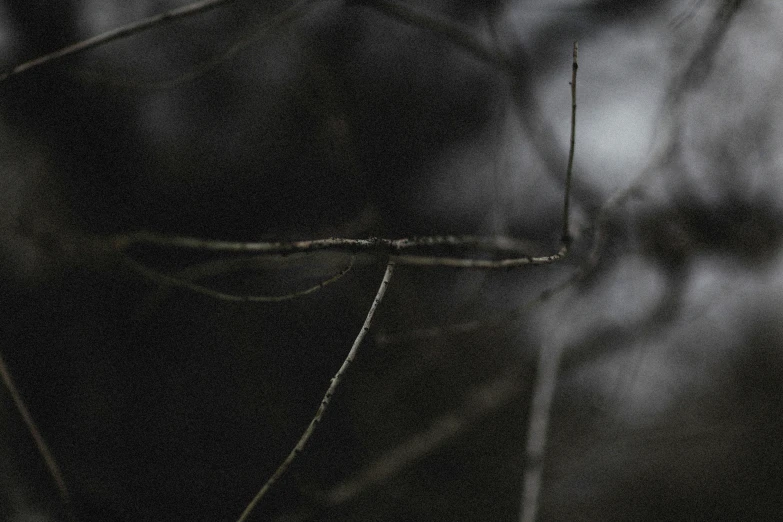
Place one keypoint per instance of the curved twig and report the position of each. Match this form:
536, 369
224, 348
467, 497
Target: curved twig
179, 282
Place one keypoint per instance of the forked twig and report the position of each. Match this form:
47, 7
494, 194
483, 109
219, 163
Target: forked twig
40, 443
335, 382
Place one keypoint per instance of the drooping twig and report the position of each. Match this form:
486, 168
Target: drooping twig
116, 34
32, 428
180, 282
335, 382
546, 383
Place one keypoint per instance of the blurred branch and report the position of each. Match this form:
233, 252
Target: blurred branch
116, 34
545, 384
335, 382
502, 320
182, 282
454, 32
260, 33
691, 78
43, 449
478, 403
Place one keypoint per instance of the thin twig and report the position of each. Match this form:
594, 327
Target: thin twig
456, 262
116, 34
569, 169
549, 359
377, 245
258, 34
456, 33
493, 244
40, 443
160, 277
335, 382
499, 320
691, 78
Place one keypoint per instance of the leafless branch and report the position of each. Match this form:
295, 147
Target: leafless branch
546, 381
181, 282
335, 382
116, 34
500, 320
257, 34
454, 32
40, 443
479, 402
373, 245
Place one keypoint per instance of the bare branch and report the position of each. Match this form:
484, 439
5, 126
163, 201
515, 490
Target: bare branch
180, 282
374, 245
501, 320
569, 170
455, 262
40, 443
116, 34
454, 32
258, 34
335, 382
546, 377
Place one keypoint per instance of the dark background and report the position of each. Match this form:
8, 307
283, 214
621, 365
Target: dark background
161, 404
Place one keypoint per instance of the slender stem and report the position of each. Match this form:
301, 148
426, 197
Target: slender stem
570, 168
335, 382
116, 34
181, 282
377, 245
40, 443
546, 374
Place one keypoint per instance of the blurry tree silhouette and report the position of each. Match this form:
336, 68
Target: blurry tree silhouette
636, 379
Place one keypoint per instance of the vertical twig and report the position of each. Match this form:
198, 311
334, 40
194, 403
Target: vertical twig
567, 203
335, 382
546, 372
40, 443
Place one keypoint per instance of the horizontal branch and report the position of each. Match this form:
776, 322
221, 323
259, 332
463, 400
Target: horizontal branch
379, 246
